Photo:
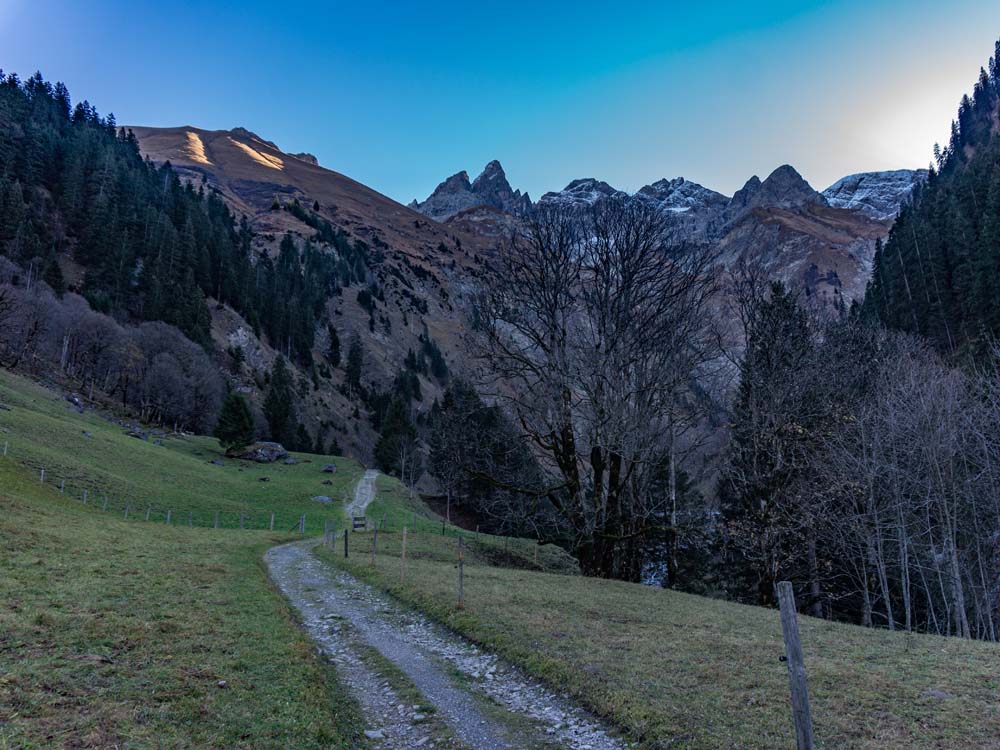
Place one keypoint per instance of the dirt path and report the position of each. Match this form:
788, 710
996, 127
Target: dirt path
482, 702
420, 685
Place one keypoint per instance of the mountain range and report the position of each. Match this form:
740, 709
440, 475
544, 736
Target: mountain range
823, 242
429, 255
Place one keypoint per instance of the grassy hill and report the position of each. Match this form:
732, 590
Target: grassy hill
173, 473
682, 671
124, 634
116, 632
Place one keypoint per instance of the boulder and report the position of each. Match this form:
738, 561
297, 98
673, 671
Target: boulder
330, 469
290, 461
323, 499
262, 453
218, 462
327, 481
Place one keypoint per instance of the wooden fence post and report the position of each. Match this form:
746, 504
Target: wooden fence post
5, 449
302, 525
104, 505
374, 544
168, 516
62, 487
461, 574
402, 558
42, 476
126, 511
216, 519
85, 496
190, 518
796, 667
149, 510
241, 520
271, 528
347, 531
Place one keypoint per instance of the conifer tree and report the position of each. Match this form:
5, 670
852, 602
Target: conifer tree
235, 427
278, 404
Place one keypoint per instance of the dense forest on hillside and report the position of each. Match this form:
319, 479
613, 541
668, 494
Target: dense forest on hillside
861, 461
75, 193
939, 272
82, 214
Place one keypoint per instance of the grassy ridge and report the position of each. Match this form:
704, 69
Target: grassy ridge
117, 634
682, 671
91, 453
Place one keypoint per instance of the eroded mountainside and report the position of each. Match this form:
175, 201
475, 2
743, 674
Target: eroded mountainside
822, 242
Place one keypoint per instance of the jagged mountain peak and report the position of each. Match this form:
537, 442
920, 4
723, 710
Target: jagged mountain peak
457, 194
679, 194
786, 188
582, 192
783, 188
880, 195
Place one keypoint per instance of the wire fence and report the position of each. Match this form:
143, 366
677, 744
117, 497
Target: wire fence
332, 525
137, 509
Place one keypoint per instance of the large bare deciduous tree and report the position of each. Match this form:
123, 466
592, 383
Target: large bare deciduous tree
595, 324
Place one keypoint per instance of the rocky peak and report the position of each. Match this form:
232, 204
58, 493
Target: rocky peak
784, 188
457, 194
493, 189
879, 195
308, 158
250, 135
679, 195
583, 192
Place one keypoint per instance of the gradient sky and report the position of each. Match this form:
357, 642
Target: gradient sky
400, 95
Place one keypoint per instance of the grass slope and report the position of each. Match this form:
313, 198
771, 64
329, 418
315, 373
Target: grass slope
90, 452
117, 634
680, 671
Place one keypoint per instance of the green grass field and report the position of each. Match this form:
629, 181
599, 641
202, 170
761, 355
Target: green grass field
116, 634
680, 671
90, 452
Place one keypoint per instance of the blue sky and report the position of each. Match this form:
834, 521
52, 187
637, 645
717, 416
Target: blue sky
400, 95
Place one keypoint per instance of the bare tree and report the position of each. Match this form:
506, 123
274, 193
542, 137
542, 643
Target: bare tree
594, 326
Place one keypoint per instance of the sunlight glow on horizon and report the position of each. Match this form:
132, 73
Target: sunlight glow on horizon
400, 97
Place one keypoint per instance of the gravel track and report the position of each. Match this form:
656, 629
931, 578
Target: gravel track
480, 702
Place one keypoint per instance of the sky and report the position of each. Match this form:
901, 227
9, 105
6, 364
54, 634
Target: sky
399, 95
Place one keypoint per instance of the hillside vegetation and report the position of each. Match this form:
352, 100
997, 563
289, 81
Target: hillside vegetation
678, 670
123, 634
173, 472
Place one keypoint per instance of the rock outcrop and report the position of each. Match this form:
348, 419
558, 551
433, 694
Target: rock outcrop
457, 194
262, 453
879, 195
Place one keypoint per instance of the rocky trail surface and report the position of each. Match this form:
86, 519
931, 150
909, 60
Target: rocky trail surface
418, 684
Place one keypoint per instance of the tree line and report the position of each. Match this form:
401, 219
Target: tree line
938, 274
153, 247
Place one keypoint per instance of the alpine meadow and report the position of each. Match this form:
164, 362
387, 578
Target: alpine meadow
288, 463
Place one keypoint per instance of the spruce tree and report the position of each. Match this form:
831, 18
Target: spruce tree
278, 404
235, 426
355, 361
